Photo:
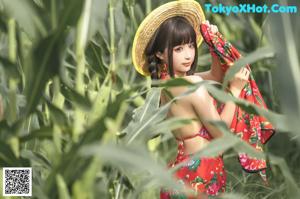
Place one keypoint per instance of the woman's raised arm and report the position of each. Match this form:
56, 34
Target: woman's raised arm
204, 106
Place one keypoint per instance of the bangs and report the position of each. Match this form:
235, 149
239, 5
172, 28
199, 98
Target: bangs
183, 33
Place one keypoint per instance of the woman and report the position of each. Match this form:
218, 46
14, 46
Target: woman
165, 46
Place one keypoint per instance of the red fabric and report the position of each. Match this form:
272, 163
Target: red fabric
253, 129
203, 175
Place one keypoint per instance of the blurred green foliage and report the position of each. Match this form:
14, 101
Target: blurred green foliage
73, 108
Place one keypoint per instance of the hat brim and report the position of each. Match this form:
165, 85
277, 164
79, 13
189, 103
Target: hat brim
189, 9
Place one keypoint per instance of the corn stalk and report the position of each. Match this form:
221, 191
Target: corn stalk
13, 83
82, 33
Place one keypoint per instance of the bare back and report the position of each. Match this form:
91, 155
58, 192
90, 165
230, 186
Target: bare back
183, 108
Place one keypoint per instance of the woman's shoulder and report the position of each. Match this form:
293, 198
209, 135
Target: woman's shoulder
193, 78
178, 90
201, 92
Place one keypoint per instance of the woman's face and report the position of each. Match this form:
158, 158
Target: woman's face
183, 58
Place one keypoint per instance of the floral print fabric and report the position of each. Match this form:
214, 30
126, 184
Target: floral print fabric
203, 175
253, 129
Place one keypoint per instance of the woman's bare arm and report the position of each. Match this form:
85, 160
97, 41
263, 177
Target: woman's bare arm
204, 106
215, 73
205, 109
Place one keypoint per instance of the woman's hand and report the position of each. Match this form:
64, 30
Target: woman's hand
221, 50
210, 33
212, 28
239, 81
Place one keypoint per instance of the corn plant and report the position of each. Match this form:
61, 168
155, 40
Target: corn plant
73, 108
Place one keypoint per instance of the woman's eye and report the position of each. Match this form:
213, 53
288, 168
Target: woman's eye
178, 49
191, 45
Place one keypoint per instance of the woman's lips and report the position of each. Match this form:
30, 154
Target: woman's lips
186, 64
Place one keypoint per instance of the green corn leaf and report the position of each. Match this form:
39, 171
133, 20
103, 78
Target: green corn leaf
173, 83
130, 157
63, 192
47, 55
45, 132
166, 126
120, 23
288, 69
98, 13
7, 156
57, 115
83, 188
101, 101
70, 14
75, 98
261, 53
146, 115
292, 187
233, 196
36, 158
25, 15
10, 68
46, 59
278, 120
95, 60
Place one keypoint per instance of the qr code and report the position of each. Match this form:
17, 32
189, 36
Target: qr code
17, 181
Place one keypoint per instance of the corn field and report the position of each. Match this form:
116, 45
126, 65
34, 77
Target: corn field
74, 109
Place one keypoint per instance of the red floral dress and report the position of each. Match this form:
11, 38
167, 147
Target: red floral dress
253, 129
205, 175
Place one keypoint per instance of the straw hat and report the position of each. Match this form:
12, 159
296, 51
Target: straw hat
189, 9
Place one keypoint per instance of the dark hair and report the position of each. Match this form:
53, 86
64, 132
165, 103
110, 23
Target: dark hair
172, 32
